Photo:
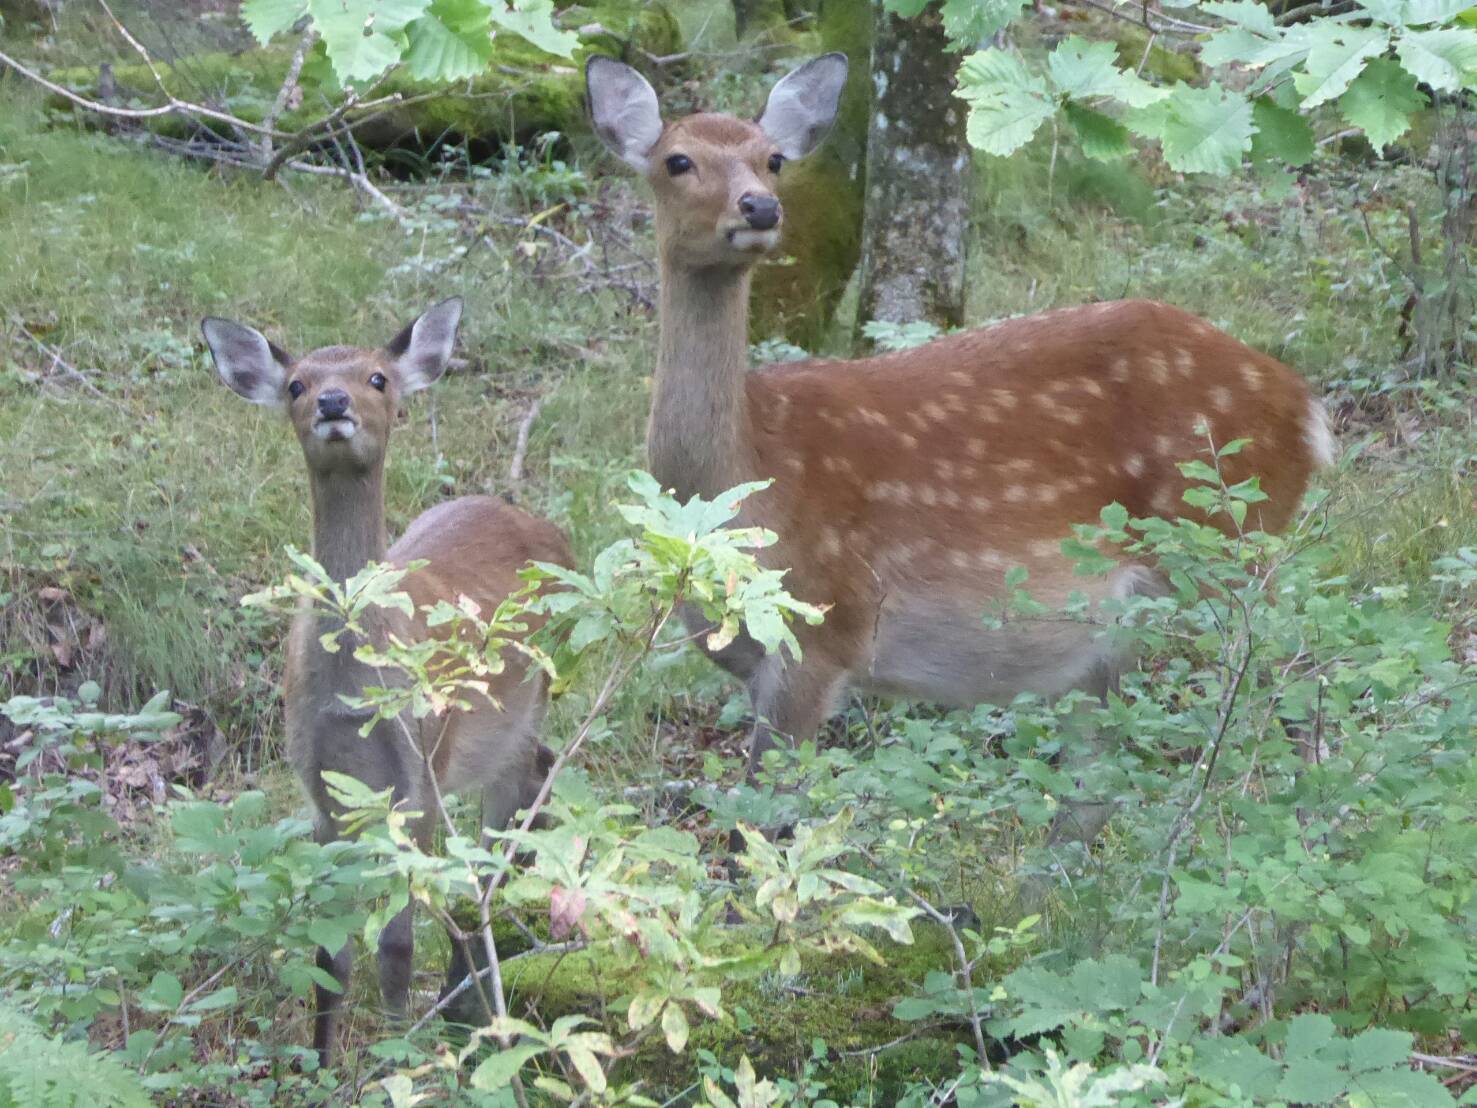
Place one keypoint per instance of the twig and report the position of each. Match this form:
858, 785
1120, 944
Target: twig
515, 470
466, 982
294, 70
1169, 24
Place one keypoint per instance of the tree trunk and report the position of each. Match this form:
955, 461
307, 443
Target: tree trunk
1444, 302
918, 173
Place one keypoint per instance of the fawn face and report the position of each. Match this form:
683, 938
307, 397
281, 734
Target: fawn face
341, 399
714, 176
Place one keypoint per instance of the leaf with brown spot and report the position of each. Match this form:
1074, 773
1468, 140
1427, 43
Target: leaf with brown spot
566, 907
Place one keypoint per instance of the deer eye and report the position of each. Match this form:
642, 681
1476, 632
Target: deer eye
678, 164
296, 389
378, 381
775, 162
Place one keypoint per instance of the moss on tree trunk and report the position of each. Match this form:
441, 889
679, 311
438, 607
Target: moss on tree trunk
917, 177
796, 295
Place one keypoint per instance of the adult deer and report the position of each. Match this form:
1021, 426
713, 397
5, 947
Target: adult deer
906, 485
342, 401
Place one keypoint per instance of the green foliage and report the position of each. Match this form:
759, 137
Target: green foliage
683, 555
37, 1071
437, 40
1368, 63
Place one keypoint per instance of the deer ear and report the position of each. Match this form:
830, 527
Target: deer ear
421, 351
624, 110
803, 105
250, 365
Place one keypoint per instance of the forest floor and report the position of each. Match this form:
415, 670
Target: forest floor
141, 501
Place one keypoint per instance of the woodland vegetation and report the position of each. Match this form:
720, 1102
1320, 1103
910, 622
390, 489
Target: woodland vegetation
1283, 910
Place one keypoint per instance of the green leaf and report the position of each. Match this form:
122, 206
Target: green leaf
1398, 1088
674, 1027
221, 998
1281, 135
1379, 1048
1206, 130
1101, 137
330, 934
1007, 103
361, 43
969, 22
1309, 1081
534, 21
437, 53
164, 992
1446, 59
1082, 69
1307, 1034
266, 18
1419, 12
1336, 56
1243, 13
498, 1069
905, 9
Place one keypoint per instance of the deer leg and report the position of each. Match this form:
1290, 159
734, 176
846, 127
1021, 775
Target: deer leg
500, 803
1082, 821
791, 700
329, 1005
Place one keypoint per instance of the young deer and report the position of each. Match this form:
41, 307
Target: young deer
906, 485
342, 402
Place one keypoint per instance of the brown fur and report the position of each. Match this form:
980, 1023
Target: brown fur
474, 547
906, 485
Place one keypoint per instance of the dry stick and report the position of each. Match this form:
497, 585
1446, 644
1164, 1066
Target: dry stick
294, 70
465, 983
515, 471
175, 104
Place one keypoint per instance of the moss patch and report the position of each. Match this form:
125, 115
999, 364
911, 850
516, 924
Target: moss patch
776, 1020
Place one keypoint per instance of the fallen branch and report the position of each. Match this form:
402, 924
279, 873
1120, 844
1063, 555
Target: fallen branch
520, 451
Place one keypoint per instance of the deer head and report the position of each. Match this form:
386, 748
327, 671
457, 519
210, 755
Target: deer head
341, 399
714, 176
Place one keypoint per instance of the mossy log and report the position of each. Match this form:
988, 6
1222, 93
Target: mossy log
797, 294
524, 91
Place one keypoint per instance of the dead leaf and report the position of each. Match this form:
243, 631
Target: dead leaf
566, 906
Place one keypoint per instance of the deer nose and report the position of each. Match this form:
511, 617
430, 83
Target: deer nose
333, 403
761, 212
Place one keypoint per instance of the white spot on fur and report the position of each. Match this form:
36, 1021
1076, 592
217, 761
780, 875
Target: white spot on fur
1221, 398
1252, 374
979, 503
1015, 494
830, 543
976, 448
934, 411
1118, 369
1134, 464
1091, 387
1184, 361
1158, 368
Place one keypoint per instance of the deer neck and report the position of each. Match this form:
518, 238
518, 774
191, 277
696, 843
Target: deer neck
698, 439
348, 520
